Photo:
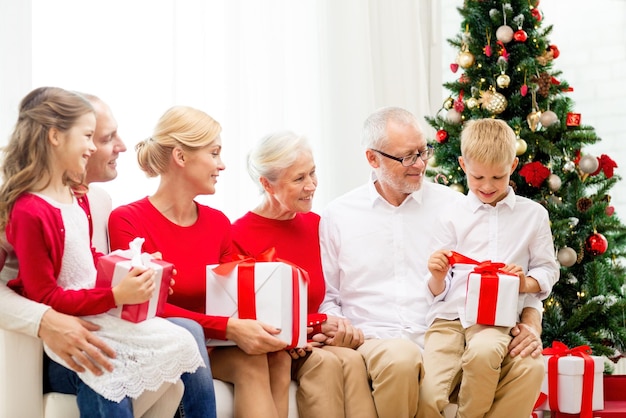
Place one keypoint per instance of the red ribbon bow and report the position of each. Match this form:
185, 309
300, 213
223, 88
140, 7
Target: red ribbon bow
246, 300
558, 350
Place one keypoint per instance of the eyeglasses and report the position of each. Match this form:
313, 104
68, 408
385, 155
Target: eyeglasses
409, 160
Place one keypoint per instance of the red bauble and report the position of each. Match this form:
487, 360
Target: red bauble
596, 244
523, 90
555, 51
442, 136
610, 210
520, 36
536, 14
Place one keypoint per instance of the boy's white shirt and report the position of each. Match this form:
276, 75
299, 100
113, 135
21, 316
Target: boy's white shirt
515, 231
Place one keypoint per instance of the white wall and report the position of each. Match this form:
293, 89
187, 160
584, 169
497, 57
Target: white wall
592, 40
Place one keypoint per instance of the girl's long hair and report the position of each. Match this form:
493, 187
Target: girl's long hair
25, 160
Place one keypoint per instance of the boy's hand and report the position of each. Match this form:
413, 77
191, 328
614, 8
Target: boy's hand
439, 265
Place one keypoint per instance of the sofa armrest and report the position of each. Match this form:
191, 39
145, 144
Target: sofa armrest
21, 370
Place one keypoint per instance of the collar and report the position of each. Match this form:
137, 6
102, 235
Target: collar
475, 203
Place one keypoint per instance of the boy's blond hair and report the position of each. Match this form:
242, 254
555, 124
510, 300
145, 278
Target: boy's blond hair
488, 141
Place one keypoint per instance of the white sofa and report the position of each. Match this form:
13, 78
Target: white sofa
21, 362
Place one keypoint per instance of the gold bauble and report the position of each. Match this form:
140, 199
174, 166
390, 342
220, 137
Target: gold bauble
472, 103
465, 59
503, 81
520, 146
448, 103
533, 120
458, 187
494, 102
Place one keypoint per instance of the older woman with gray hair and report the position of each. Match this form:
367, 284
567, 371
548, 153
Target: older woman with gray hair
331, 374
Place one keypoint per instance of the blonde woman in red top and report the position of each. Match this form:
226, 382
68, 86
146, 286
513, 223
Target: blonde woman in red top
331, 375
184, 151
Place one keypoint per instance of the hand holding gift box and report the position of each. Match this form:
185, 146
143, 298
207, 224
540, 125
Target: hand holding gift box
112, 268
573, 382
273, 292
491, 297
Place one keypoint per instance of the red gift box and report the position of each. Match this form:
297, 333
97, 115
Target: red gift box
492, 294
273, 292
112, 268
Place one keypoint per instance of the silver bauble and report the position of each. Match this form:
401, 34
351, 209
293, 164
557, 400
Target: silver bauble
548, 118
569, 166
567, 256
453, 116
554, 182
504, 34
588, 164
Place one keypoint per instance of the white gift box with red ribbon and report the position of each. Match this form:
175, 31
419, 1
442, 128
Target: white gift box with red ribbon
271, 292
577, 387
491, 295
112, 268
492, 299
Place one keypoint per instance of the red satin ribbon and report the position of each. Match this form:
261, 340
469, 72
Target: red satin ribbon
488, 297
558, 350
540, 400
245, 286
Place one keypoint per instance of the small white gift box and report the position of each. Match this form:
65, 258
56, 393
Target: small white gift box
271, 292
492, 299
569, 382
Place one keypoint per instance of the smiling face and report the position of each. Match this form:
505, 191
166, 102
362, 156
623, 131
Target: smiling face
294, 188
74, 147
489, 182
203, 166
102, 165
395, 181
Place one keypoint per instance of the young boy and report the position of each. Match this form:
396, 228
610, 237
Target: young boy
491, 224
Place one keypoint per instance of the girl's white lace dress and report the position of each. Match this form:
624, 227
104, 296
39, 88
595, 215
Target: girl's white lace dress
149, 353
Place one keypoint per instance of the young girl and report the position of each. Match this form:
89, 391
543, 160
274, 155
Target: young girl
45, 158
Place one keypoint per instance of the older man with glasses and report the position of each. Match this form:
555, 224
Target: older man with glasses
375, 247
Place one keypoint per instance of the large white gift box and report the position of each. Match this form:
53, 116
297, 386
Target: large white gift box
112, 268
491, 298
569, 382
271, 292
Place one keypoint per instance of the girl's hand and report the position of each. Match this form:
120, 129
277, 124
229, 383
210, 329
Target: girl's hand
299, 352
137, 287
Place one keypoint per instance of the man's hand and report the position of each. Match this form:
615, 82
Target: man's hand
339, 332
71, 339
527, 335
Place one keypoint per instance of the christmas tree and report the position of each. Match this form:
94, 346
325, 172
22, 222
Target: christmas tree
506, 68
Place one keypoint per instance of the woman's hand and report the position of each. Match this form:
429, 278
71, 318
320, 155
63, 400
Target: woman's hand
299, 352
254, 337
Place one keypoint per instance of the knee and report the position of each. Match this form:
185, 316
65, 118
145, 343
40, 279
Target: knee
351, 358
404, 358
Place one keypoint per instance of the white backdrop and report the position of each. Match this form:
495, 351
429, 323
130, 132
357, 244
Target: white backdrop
317, 67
